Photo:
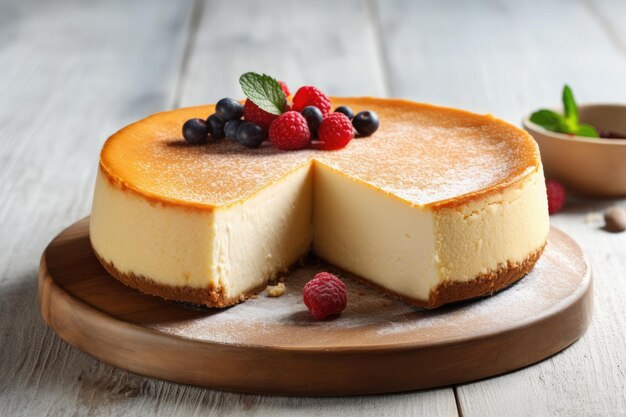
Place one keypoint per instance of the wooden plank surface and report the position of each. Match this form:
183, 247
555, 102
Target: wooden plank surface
509, 58
332, 45
72, 73
502, 57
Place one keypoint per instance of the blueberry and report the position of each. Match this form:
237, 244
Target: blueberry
216, 126
250, 135
230, 128
366, 122
195, 131
228, 109
313, 117
345, 110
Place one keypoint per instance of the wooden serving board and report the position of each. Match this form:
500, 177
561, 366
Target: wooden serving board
272, 345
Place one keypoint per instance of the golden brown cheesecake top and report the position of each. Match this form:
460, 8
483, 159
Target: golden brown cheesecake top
422, 154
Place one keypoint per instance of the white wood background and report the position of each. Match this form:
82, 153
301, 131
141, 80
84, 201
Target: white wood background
72, 72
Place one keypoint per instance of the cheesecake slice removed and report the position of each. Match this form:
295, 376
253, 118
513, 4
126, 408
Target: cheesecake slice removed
439, 205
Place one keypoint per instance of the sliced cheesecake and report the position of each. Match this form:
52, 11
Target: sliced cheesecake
439, 205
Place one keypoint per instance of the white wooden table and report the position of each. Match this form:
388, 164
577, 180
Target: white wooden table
72, 72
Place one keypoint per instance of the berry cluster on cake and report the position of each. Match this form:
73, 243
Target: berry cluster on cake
431, 204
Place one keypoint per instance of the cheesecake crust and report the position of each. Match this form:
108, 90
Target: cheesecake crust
484, 284
210, 296
445, 293
480, 286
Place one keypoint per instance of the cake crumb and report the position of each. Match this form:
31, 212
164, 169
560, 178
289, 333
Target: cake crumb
275, 290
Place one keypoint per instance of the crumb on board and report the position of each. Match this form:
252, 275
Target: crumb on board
275, 290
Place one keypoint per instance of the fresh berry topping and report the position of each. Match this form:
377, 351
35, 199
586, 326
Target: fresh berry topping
250, 135
230, 128
313, 117
325, 295
366, 122
195, 131
335, 132
216, 126
285, 88
254, 114
311, 96
228, 109
290, 131
556, 196
345, 110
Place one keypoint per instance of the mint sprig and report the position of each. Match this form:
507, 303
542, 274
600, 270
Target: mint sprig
564, 123
264, 91
569, 105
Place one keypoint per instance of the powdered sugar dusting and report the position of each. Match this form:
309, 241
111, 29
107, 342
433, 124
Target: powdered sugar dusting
421, 154
374, 319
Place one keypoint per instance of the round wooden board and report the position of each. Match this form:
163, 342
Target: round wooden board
271, 345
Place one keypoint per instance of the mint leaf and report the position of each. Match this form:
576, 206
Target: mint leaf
586, 130
264, 91
550, 120
569, 105
568, 123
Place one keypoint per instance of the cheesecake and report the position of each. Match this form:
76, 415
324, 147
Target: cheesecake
439, 205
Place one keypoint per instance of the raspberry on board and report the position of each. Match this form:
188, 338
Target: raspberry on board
253, 113
325, 295
311, 96
290, 131
335, 132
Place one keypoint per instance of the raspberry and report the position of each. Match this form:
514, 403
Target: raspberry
254, 114
335, 131
325, 295
311, 96
290, 131
285, 88
556, 196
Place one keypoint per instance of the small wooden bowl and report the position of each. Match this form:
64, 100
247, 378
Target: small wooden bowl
594, 167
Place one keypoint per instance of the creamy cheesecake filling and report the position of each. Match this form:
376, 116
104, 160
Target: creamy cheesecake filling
404, 248
263, 236
234, 249
168, 244
410, 250
376, 236
487, 233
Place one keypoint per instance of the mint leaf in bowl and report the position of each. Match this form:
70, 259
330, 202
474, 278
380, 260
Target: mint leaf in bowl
550, 120
567, 123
